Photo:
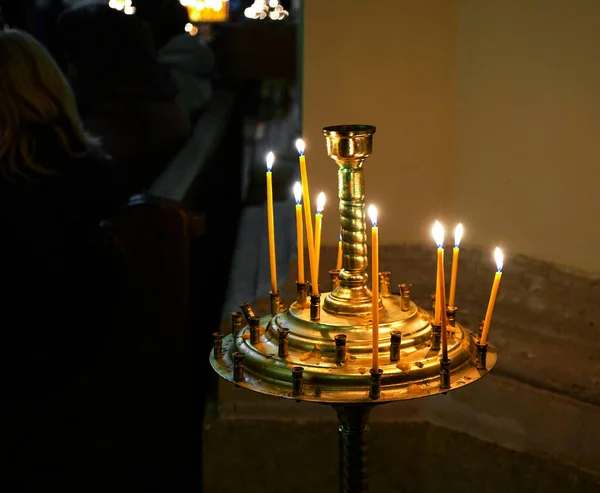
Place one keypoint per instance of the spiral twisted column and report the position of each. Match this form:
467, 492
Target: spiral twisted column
349, 146
353, 448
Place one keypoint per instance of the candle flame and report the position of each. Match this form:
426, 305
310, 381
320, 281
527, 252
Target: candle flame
372, 211
270, 161
320, 203
340, 236
499, 258
438, 234
300, 146
298, 192
458, 234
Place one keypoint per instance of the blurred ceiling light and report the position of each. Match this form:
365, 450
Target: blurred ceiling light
261, 9
207, 10
124, 5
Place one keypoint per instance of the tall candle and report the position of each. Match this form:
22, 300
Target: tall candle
458, 234
318, 226
299, 231
307, 215
438, 236
499, 257
375, 283
271, 222
338, 264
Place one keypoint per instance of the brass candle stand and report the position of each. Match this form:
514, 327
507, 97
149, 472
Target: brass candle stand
321, 350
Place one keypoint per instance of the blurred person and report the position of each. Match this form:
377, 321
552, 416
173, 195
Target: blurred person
124, 95
188, 57
56, 186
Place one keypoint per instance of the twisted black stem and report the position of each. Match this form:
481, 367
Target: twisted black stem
353, 432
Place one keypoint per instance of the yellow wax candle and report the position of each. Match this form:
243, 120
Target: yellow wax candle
375, 284
438, 236
318, 227
458, 234
338, 264
499, 257
271, 222
299, 231
444, 316
307, 216
440, 316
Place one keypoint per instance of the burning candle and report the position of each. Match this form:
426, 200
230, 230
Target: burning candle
318, 226
307, 214
271, 222
458, 234
499, 258
338, 264
442, 305
438, 236
299, 231
375, 283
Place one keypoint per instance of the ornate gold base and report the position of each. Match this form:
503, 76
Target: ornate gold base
312, 345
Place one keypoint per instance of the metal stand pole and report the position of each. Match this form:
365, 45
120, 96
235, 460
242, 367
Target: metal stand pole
353, 448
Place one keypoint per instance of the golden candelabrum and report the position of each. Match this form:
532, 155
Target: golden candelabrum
324, 356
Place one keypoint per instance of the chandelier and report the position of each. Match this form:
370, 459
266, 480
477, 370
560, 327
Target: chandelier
261, 9
362, 343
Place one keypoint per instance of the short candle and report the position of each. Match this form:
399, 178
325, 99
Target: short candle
499, 258
318, 229
338, 264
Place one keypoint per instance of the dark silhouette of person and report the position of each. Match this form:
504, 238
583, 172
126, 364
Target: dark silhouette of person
56, 185
189, 59
124, 95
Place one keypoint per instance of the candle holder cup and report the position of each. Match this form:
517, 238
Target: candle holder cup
301, 294
375, 383
445, 373
436, 337
297, 380
275, 302
254, 330
451, 314
384, 284
236, 323
480, 356
334, 275
283, 349
395, 343
315, 307
405, 295
218, 345
238, 367
247, 311
340, 349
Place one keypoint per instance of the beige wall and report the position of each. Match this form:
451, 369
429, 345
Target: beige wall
397, 73
500, 99
528, 127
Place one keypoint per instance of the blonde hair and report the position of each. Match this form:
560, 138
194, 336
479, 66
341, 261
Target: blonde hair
34, 95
